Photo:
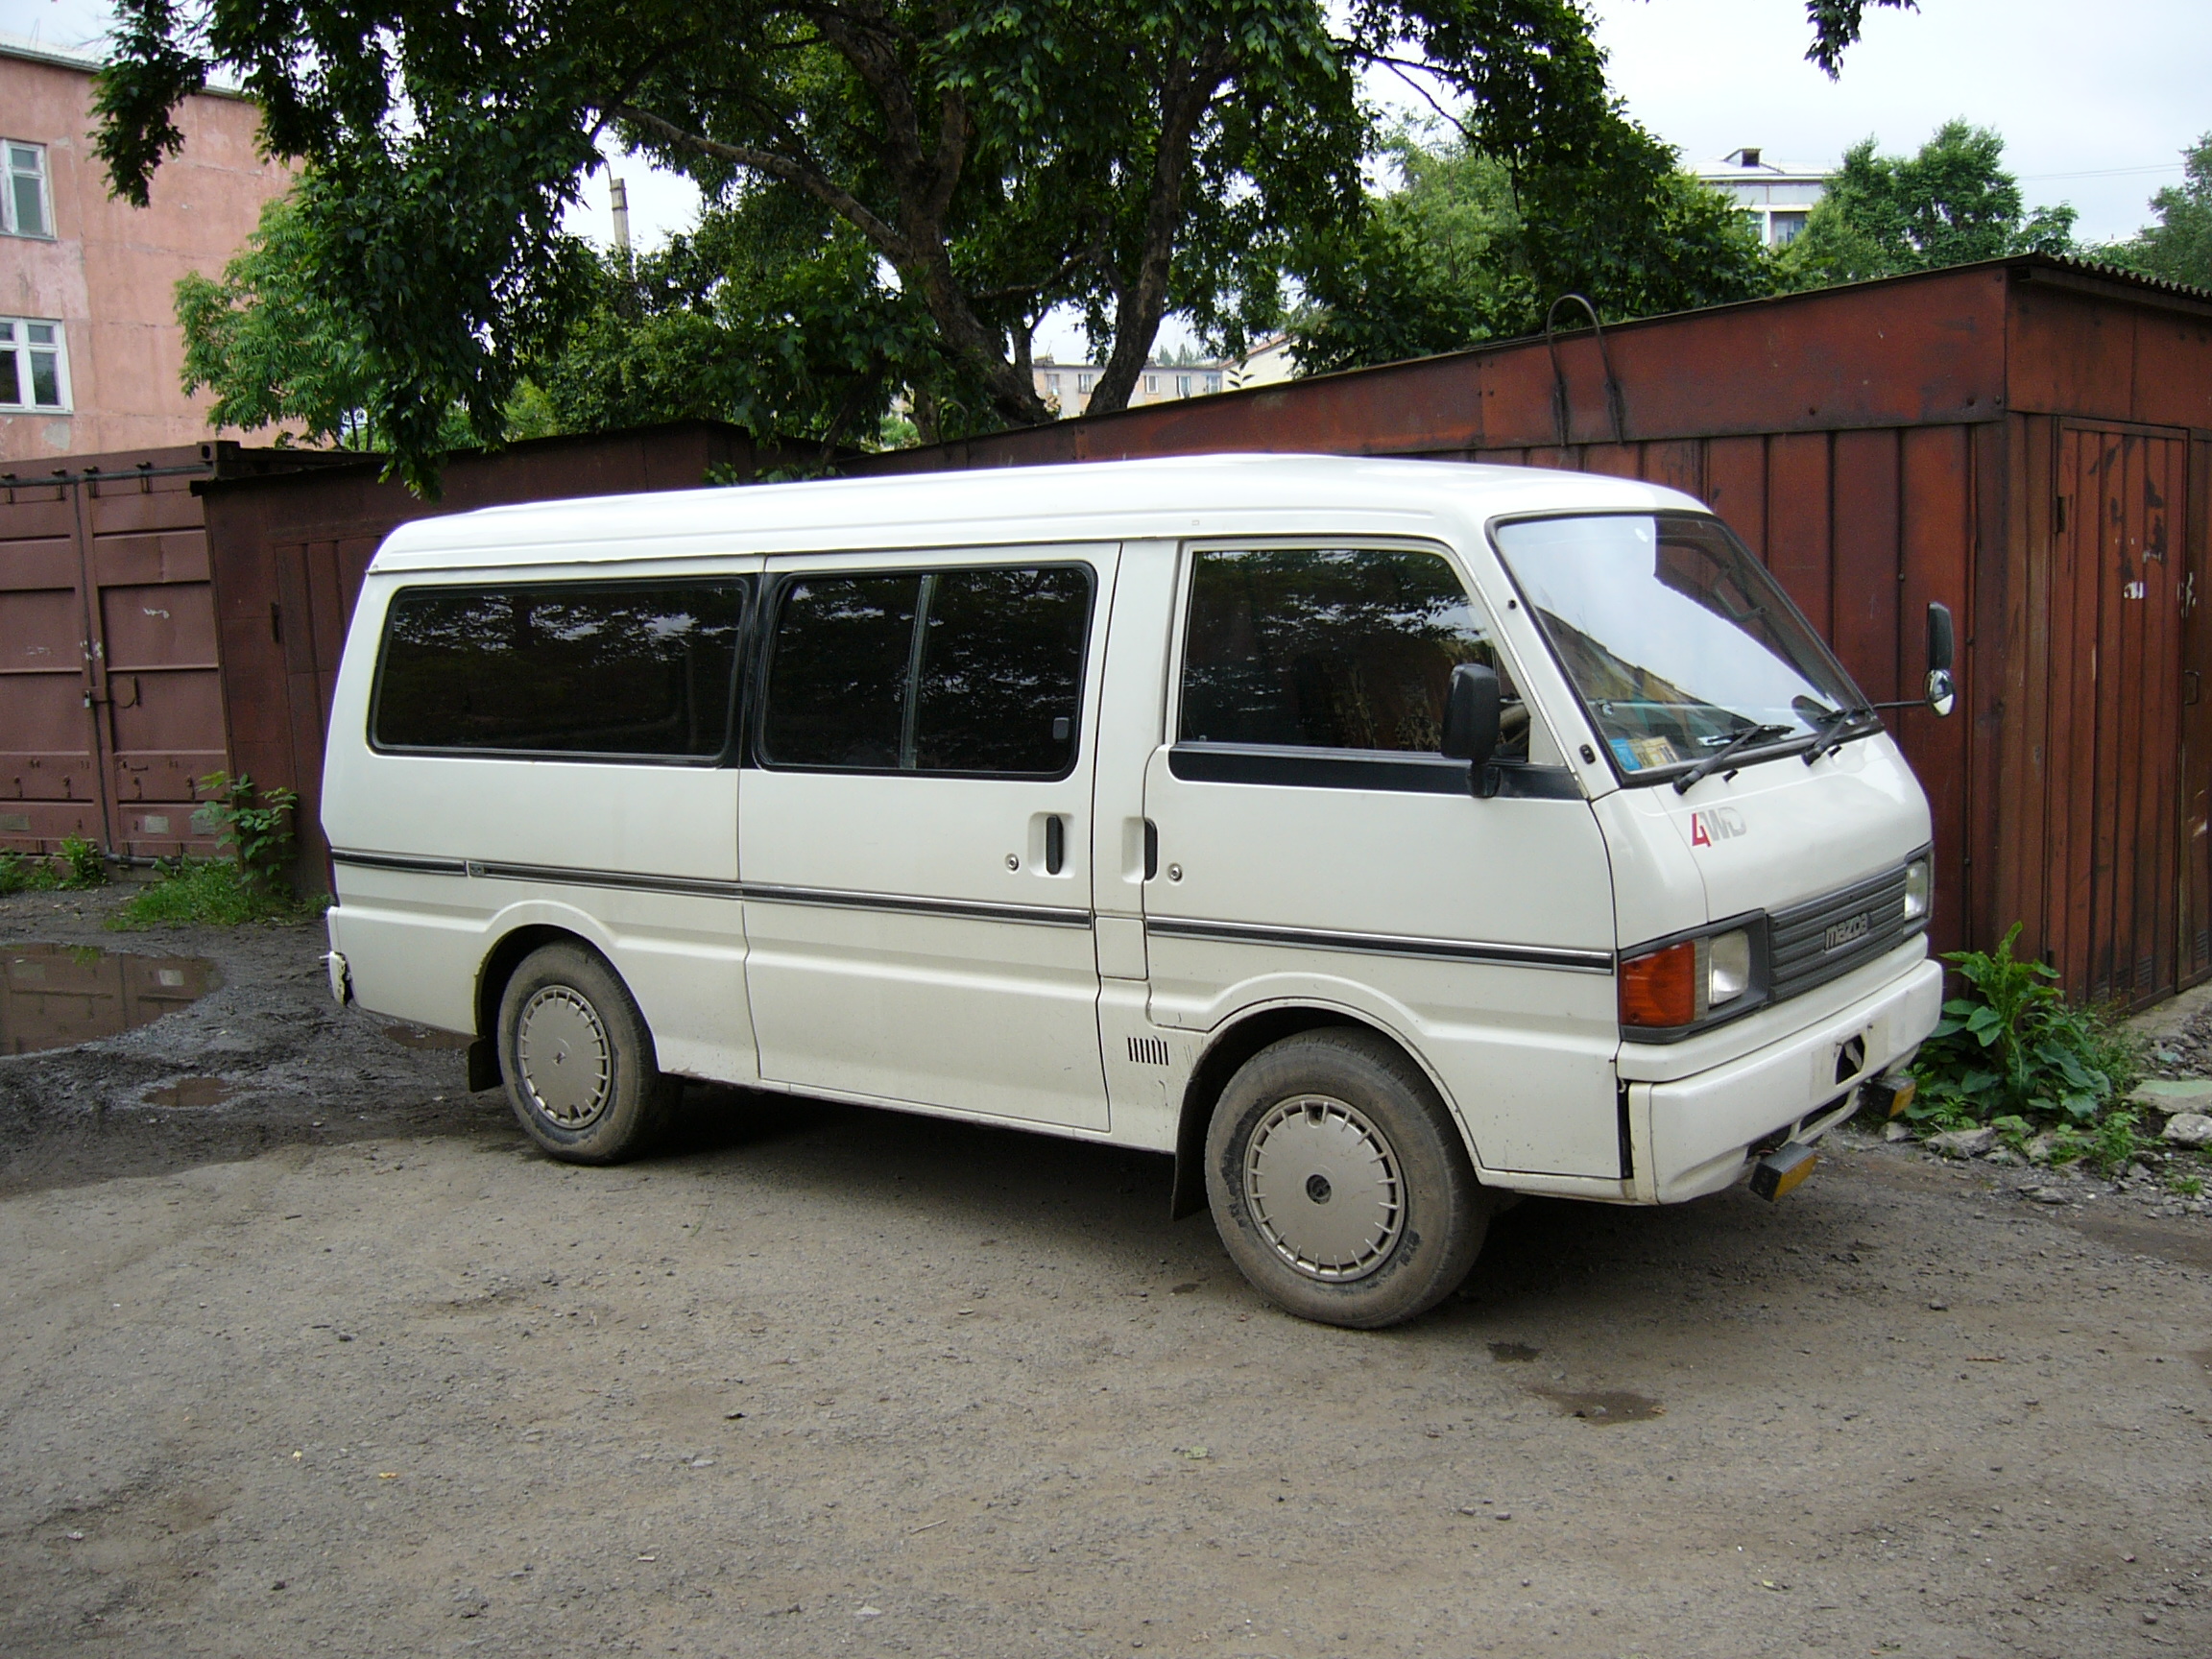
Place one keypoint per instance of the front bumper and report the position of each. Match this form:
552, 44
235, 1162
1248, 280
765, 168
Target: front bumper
1694, 1136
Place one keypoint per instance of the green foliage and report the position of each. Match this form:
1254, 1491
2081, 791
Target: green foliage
254, 823
2012, 1049
210, 892
1475, 245
83, 864
772, 314
2180, 246
20, 873
2188, 1186
1130, 157
1951, 204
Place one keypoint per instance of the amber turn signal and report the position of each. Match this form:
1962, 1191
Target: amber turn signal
1661, 989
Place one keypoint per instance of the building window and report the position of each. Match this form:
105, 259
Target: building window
28, 210
1151, 385
1214, 381
1786, 228
1052, 385
1084, 383
1182, 385
33, 365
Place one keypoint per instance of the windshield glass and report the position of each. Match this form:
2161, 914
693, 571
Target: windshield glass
1676, 637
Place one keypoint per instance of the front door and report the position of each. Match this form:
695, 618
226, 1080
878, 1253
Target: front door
914, 831
1315, 847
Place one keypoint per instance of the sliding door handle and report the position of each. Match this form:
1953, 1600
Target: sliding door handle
1055, 844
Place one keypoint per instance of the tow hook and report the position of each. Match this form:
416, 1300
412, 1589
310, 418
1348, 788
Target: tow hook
1783, 1169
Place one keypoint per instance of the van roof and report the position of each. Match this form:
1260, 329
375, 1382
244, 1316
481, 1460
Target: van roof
1089, 501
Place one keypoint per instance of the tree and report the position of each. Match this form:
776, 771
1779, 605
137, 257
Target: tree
2180, 246
1466, 250
1130, 156
1951, 204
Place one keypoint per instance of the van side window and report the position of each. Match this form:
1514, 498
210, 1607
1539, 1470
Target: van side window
1328, 648
974, 671
611, 669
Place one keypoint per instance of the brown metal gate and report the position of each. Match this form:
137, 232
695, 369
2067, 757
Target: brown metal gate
111, 693
2120, 590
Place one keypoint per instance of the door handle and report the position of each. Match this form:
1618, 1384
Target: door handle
2194, 687
1055, 845
1151, 850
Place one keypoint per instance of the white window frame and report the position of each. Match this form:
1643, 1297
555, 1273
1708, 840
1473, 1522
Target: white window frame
8, 177
19, 344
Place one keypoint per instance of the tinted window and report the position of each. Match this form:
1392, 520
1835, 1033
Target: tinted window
1326, 647
975, 670
573, 669
837, 678
1002, 662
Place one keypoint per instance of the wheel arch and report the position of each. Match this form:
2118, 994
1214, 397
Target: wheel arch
1235, 1044
498, 966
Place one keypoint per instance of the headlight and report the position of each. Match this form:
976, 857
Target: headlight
1917, 890
1680, 984
1727, 967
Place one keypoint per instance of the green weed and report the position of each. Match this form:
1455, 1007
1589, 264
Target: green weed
19, 873
210, 891
2013, 1048
83, 864
2187, 1186
254, 823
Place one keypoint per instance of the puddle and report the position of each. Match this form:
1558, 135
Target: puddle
52, 996
423, 1036
1607, 1405
190, 1092
1513, 1353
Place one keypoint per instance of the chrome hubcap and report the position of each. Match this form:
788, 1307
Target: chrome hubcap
563, 1053
1324, 1189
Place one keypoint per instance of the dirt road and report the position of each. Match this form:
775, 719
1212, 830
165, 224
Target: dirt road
333, 1365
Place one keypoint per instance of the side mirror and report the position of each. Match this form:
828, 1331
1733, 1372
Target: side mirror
1942, 694
1471, 715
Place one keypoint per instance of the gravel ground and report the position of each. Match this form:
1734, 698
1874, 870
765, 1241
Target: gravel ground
337, 1364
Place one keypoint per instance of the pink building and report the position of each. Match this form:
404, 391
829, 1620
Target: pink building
90, 353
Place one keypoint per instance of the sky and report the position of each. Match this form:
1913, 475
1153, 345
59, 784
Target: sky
2095, 102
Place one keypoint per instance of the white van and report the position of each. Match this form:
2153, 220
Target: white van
1376, 837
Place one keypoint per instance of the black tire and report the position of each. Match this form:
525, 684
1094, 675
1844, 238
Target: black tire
566, 1007
1340, 1117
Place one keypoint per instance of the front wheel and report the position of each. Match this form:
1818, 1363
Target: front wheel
1339, 1184
578, 1058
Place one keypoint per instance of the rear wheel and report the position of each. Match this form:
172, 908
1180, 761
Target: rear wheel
578, 1058
1338, 1181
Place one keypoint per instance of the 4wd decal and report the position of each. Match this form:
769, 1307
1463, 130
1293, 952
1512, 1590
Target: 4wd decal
1716, 824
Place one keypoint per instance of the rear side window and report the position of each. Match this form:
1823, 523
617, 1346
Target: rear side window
609, 669
1326, 647
977, 671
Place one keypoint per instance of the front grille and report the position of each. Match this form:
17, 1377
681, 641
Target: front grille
1827, 937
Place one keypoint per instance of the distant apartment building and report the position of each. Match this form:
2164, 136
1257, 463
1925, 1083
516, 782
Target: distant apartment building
90, 351
1067, 387
1777, 196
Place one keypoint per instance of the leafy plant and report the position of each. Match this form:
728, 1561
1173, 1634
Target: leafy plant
254, 823
211, 892
2188, 1186
2015, 1048
83, 864
19, 874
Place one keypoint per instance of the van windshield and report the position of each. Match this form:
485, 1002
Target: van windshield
1677, 639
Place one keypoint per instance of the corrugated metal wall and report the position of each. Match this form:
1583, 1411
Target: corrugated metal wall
111, 686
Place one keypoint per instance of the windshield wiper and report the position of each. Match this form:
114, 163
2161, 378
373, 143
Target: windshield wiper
1832, 727
1727, 752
